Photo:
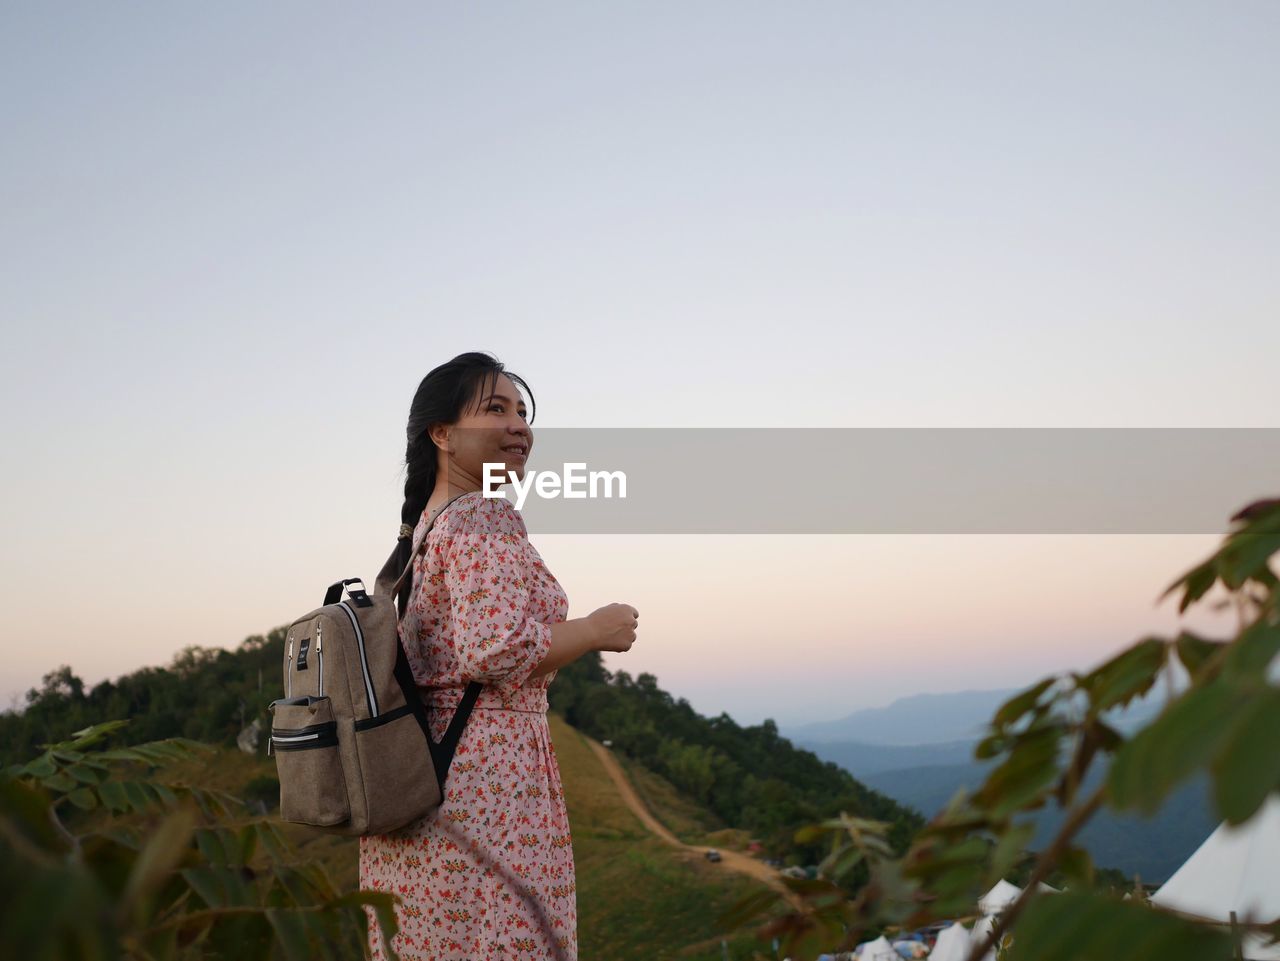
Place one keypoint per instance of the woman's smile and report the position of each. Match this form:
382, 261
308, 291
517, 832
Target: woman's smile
518, 452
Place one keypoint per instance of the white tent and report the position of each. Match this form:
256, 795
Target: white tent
1235, 869
878, 950
999, 897
979, 933
952, 945
1003, 895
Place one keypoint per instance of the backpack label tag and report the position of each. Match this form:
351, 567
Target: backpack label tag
302, 653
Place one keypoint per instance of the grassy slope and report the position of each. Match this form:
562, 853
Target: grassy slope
638, 898
683, 817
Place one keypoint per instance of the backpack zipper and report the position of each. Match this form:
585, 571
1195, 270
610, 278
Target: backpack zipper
319, 658
275, 739
295, 737
288, 673
305, 732
325, 731
369, 694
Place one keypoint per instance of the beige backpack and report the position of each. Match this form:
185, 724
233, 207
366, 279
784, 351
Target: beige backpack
353, 750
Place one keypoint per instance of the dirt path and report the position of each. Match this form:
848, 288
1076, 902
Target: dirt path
733, 860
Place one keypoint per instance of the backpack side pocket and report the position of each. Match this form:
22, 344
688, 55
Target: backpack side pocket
394, 758
304, 739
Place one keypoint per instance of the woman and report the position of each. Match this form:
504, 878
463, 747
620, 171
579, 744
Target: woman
489, 874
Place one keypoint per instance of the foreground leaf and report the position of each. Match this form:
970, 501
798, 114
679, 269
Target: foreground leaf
1072, 926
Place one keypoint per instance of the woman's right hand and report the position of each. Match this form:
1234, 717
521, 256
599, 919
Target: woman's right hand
614, 626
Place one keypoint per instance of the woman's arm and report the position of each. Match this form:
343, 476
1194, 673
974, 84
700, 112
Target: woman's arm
569, 641
608, 628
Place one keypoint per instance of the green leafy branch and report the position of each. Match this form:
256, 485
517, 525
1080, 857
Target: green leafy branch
101, 860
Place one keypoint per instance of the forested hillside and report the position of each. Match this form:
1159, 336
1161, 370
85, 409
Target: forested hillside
749, 776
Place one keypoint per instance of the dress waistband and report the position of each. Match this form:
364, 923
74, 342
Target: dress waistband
528, 700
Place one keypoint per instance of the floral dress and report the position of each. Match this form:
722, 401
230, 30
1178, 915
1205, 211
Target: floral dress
489, 874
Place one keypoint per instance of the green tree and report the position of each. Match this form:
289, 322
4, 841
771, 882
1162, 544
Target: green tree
59, 683
691, 768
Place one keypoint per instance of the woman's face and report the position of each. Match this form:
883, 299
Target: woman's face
488, 431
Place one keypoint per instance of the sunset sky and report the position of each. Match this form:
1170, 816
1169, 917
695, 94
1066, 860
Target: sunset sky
237, 236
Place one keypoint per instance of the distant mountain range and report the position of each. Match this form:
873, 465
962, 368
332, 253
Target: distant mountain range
933, 719
918, 719
919, 751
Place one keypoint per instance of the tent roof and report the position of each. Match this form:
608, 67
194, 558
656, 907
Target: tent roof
999, 897
952, 944
1004, 894
1235, 869
877, 950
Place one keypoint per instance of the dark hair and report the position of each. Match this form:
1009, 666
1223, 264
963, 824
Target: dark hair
441, 398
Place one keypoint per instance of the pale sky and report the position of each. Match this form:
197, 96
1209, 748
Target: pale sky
236, 236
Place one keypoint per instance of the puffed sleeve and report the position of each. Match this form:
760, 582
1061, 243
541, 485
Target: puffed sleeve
497, 638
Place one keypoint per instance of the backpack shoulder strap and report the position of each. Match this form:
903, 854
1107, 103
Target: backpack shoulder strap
391, 579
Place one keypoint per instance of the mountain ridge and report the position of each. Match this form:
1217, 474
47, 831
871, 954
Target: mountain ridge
941, 717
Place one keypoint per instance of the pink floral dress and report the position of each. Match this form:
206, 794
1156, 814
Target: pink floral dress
489, 874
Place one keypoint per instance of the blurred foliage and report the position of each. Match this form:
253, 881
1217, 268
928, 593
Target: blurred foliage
1225, 724
101, 859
